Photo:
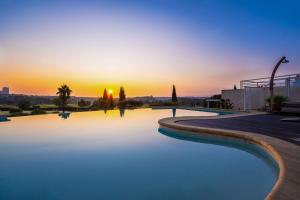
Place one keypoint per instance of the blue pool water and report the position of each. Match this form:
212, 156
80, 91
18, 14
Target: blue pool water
125, 155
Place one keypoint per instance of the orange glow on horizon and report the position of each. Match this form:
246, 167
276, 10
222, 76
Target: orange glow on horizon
32, 83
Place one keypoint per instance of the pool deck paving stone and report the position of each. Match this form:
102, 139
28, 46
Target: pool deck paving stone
265, 124
265, 130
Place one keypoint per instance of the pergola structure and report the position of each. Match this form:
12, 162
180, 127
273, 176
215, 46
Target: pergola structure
213, 100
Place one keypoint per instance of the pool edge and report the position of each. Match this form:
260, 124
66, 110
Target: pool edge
284, 153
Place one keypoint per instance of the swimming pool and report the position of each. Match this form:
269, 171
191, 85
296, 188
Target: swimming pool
124, 155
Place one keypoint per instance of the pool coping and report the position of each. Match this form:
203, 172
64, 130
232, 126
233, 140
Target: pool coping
287, 155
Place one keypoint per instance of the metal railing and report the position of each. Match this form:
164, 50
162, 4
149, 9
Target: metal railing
283, 80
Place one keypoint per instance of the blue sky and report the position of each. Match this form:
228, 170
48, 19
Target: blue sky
193, 42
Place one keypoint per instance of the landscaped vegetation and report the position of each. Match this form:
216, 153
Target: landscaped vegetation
278, 102
31, 105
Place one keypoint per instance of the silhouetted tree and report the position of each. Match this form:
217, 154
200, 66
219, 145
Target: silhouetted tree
234, 87
174, 96
105, 95
64, 93
111, 101
122, 96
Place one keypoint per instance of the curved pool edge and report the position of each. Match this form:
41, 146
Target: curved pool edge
287, 155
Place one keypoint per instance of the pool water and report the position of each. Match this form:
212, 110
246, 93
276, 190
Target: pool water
124, 155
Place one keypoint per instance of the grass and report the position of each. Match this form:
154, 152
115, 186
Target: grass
4, 113
47, 106
7, 107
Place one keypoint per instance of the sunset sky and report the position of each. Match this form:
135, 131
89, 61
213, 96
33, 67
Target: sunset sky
201, 46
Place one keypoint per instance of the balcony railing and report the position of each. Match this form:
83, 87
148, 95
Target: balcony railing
279, 81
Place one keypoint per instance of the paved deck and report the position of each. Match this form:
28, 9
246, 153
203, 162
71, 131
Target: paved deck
265, 124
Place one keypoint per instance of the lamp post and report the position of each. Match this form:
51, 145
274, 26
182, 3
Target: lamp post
282, 60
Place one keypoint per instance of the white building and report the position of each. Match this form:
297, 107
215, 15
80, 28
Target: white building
254, 92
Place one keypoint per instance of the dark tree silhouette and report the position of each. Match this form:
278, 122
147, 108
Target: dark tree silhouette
174, 96
111, 101
234, 87
105, 95
64, 93
122, 96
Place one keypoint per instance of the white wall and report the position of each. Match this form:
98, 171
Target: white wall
256, 97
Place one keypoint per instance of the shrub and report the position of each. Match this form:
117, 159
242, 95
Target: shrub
130, 104
18, 114
7, 107
167, 103
71, 107
45, 107
278, 101
226, 104
96, 105
15, 110
83, 103
38, 112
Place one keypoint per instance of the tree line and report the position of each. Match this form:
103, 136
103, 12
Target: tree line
106, 102
39, 105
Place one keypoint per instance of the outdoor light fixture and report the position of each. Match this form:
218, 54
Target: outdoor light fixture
285, 60
282, 60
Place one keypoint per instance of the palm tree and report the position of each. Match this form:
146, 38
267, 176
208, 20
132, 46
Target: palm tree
63, 93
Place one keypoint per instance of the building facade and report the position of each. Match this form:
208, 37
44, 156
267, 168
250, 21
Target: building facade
253, 93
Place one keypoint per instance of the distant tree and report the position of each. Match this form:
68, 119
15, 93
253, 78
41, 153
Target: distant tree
111, 101
122, 96
83, 103
105, 95
174, 96
24, 104
234, 87
64, 93
96, 105
57, 102
130, 104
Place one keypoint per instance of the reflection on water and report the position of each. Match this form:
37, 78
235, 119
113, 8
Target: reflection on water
122, 112
174, 112
98, 155
180, 112
64, 115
